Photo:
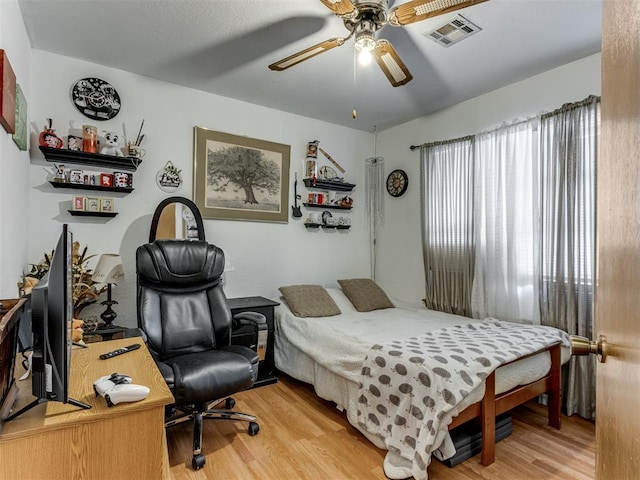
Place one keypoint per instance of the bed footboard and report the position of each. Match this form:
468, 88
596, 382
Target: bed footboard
492, 404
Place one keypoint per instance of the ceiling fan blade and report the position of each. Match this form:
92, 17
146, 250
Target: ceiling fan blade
417, 10
306, 54
339, 7
391, 64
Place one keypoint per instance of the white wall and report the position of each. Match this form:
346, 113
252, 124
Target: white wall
399, 267
264, 255
14, 164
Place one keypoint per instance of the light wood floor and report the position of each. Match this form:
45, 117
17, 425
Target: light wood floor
304, 437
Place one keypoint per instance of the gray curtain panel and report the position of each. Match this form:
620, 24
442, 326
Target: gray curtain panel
447, 224
569, 139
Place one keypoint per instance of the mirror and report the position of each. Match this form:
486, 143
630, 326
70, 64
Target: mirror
177, 218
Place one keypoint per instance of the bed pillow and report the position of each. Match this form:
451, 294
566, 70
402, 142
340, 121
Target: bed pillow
343, 303
365, 294
309, 301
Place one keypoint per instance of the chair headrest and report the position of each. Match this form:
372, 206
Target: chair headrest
179, 264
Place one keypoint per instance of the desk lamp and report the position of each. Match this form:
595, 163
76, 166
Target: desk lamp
109, 271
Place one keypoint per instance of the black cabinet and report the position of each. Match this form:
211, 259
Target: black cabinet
245, 335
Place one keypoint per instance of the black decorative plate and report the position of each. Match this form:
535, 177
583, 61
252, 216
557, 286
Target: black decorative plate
95, 98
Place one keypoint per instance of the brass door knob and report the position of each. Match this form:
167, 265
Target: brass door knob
584, 346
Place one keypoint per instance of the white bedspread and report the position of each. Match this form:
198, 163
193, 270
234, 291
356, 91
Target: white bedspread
356, 333
328, 352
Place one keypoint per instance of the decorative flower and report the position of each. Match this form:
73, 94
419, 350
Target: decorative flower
85, 290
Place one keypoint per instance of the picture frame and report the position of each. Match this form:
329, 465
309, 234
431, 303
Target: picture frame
221, 190
106, 179
76, 176
7, 94
92, 204
107, 204
20, 136
78, 203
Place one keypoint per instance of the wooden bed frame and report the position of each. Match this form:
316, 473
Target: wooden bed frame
492, 404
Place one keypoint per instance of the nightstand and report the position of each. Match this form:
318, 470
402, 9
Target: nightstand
244, 335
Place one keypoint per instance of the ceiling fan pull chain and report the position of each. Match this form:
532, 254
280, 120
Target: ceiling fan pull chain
354, 114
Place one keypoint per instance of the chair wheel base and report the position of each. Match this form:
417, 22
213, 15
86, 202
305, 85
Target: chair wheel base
198, 462
229, 403
253, 429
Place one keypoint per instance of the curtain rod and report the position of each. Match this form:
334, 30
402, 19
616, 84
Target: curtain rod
443, 142
571, 106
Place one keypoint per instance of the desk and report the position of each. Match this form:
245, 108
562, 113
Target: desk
59, 441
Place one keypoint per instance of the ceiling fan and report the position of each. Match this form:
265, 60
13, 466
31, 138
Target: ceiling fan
363, 18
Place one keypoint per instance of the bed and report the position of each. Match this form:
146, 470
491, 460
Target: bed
331, 353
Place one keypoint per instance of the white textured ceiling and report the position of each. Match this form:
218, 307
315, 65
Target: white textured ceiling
224, 47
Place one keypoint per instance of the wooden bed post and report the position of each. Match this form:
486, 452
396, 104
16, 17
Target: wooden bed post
488, 419
555, 397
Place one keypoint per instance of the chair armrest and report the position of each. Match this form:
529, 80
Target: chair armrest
254, 319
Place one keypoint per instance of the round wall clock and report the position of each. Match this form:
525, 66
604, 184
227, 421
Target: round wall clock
397, 183
95, 98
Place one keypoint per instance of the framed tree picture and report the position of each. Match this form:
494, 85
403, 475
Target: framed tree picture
240, 178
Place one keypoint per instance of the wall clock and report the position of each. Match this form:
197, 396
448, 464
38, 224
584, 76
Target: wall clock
397, 183
95, 98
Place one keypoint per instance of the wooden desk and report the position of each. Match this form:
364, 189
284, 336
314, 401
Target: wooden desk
59, 441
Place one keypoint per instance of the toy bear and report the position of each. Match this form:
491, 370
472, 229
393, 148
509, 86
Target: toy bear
112, 141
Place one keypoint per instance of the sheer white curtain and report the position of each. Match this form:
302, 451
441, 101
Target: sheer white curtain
506, 224
447, 224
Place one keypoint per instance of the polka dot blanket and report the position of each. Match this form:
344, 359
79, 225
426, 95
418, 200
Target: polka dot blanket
409, 387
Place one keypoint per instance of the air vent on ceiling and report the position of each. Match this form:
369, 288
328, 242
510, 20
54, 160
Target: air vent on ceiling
452, 31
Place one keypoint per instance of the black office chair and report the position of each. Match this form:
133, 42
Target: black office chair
186, 323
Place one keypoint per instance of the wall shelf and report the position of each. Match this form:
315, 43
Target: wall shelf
336, 227
82, 186
328, 185
84, 213
327, 227
64, 156
320, 205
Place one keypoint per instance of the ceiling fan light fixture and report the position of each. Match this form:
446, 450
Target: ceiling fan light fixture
365, 36
365, 57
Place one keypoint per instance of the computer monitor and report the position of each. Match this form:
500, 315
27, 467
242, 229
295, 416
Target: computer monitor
52, 323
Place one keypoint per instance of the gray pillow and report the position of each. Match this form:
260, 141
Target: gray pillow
365, 294
309, 301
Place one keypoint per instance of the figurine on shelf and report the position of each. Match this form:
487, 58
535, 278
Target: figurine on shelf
112, 147
59, 175
48, 137
346, 201
89, 139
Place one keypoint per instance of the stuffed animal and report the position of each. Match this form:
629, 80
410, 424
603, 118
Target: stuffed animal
112, 140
